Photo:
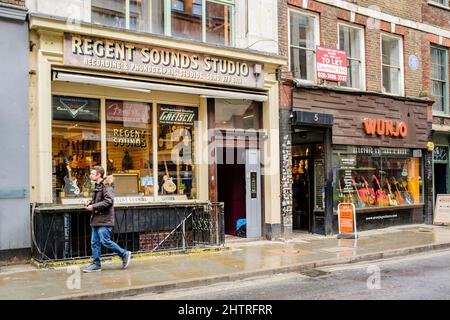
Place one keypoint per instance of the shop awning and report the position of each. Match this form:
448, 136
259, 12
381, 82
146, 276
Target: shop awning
147, 86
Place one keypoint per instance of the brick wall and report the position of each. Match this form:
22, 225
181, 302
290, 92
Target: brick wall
20, 3
406, 9
435, 16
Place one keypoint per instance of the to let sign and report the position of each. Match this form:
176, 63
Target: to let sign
442, 209
331, 64
347, 219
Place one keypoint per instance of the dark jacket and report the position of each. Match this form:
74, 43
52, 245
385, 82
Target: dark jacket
103, 203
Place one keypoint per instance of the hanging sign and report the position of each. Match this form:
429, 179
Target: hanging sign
128, 112
135, 58
74, 108
347, 220
331, 64
177, 115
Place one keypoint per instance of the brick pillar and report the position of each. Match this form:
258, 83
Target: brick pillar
428, 181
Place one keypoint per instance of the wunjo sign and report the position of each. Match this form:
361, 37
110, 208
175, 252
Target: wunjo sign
124, 57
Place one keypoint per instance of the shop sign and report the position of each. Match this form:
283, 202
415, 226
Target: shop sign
381, 151
73, 108
442, 209
127, 137
383, 127
304, 117
177, 115
149, 60
128, 112
331, 64
347, 219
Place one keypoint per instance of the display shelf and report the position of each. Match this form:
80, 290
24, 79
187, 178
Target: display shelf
389, 208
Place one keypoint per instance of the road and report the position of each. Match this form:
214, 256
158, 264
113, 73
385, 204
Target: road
423, 276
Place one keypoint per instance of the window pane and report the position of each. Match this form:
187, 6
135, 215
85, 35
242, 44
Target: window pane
303, 63
390, 51
391, 80
437, 90
236, 114
218, 23
187, 19
176, 149
109, 13
354, 74
147, 16
129, 147
438, 67
350, 41
302, 30
75, 145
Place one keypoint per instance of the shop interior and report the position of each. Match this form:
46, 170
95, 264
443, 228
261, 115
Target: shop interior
308, 187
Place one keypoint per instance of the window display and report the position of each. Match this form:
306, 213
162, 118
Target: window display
176, 148
75, 145
129, 146
371, 177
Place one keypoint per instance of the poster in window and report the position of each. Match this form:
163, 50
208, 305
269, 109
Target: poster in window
75, 108
177, 115
134, 114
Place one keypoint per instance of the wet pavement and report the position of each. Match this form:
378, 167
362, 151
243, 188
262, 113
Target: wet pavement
242, 259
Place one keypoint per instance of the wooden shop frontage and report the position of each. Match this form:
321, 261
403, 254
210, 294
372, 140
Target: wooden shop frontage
365, 148
158, 114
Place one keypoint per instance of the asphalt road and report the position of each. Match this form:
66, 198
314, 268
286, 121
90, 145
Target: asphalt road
424, 276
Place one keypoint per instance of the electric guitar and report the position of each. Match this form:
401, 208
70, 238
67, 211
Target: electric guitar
359, 202
382, 198
169, 186
398, 194
392, 200
408, 198
367, 194
70, 187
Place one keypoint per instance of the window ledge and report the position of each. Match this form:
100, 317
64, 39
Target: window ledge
435, 4
441, 115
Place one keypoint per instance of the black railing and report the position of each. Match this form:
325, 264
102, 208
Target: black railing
63, 233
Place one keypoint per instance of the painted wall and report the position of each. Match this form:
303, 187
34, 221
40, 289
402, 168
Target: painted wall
14, 211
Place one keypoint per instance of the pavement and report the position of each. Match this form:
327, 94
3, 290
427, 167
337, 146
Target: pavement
237, 260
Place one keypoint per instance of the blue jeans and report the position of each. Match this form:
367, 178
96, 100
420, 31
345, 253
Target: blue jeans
102, 236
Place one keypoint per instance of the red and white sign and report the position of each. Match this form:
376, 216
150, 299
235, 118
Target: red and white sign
347, 218
331, 64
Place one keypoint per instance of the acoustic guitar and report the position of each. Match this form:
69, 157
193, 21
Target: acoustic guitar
168, 185
382, 198
392, 200
70, 187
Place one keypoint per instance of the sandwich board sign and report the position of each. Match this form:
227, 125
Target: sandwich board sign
442, 209
347, 221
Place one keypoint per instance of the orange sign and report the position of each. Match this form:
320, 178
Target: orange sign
346, 216
382, 127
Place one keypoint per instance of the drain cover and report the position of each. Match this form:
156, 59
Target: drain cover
314, 273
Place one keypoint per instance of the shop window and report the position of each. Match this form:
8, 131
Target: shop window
136, 15
187, 19
129, 147
302, 43
75, 145
392, 65
176, 150
372, 177
442, 2
439, 79
351, 41
237, 114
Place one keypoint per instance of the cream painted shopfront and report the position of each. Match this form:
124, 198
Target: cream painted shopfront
172, 120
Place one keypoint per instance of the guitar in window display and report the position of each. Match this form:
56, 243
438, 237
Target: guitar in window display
382, 198
70, 183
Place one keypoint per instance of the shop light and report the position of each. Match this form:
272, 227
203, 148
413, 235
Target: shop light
142, 85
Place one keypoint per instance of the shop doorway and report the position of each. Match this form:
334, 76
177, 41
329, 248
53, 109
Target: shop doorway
308, 174
440, 178
239, 188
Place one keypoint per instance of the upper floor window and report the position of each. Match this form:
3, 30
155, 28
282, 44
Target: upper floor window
392, 64
302, 45
439, 79
442, 2
203, 20
351, 41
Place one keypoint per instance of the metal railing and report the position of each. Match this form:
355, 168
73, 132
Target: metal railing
65, 233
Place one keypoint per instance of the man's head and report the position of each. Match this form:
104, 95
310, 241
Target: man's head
97, 173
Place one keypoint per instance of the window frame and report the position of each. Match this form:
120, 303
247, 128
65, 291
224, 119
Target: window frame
400, 60
446, 87
363, 53
316, 18
435, 2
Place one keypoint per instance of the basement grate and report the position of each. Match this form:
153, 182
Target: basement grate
314, 273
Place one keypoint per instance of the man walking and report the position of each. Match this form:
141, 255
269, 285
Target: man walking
102, 219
